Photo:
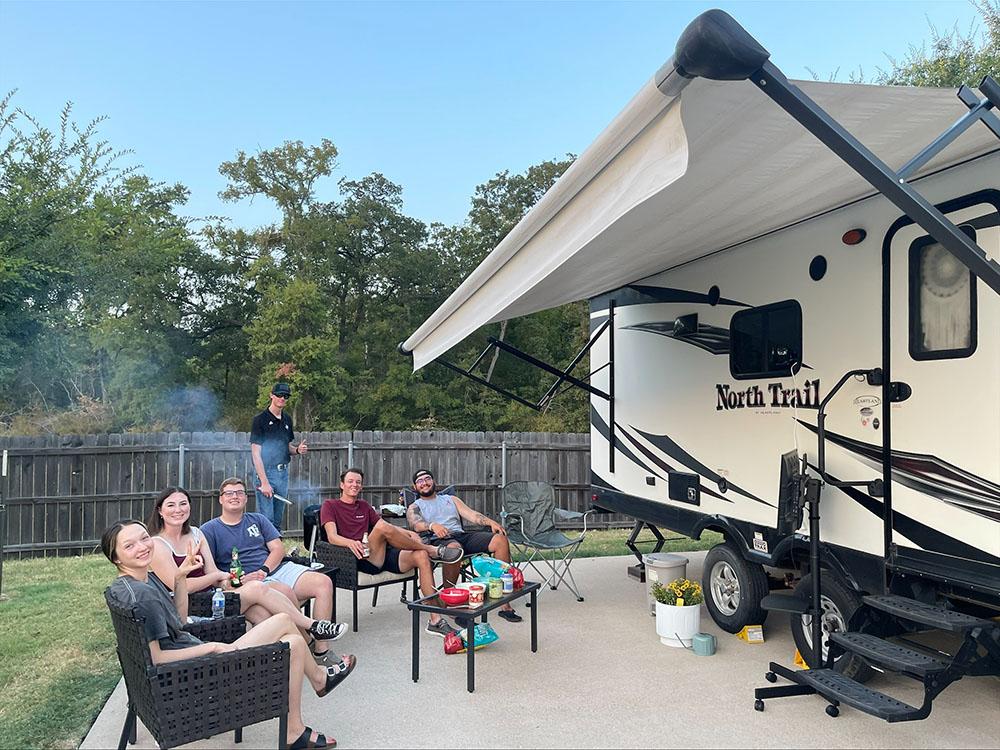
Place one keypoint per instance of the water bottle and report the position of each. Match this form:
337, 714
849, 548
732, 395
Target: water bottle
218, 605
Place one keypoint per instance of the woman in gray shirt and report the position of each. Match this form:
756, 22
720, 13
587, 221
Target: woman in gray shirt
128, 545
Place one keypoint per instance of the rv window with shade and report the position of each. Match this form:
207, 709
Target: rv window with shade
942, 302
765, 342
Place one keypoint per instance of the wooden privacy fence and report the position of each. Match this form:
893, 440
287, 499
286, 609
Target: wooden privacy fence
61, 492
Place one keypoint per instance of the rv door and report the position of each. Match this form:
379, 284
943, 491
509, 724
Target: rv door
944, 334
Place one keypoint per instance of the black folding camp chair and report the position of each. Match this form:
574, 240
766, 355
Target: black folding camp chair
529, 516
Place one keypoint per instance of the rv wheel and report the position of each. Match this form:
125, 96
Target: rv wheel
733, 589
839, 604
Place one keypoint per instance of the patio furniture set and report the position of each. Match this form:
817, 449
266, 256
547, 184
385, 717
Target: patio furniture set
192, 699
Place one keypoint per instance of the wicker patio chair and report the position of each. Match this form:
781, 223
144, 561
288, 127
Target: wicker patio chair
200, 604
193, 699
347, 575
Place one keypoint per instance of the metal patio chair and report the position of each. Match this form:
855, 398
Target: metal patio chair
343, 561
529, 516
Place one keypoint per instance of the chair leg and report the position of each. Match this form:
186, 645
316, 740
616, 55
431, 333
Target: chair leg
282, 731
355, 597
333, 615
128, 729
238, 735
375, 597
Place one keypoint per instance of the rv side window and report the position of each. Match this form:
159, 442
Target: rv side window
942, 302
765, 341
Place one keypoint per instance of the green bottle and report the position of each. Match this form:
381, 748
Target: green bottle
236, 570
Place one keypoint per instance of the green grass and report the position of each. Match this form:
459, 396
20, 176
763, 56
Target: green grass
59, 664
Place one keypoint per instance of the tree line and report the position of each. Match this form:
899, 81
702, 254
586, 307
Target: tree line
119, 313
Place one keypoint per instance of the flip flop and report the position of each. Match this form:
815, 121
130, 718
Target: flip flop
304, 741
334, 678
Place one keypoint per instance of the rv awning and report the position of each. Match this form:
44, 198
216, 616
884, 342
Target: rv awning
672, 179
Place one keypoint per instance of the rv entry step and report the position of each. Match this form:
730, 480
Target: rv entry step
889, 655
785, 603
832, 685
926, 614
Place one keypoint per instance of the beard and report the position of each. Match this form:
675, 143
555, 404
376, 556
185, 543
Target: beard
427, 492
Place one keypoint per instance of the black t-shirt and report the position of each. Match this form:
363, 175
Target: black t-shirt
273, 436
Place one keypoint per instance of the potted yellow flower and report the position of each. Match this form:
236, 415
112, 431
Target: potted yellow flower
678, 611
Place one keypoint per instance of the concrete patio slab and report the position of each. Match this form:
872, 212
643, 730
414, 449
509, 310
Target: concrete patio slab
601, 678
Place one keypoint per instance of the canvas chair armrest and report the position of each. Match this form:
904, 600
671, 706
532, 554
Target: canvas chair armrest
223, 630
562, 514
508, 520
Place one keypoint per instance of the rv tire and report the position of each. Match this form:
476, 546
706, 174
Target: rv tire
840, 605
733, 588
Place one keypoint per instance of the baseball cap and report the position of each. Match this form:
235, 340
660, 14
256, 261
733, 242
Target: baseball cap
421, 473
281, 389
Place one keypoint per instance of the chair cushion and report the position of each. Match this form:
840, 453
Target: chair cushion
386, 576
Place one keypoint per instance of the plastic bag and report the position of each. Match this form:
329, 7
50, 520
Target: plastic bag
457, 643
517, 575
453, 643
484, 565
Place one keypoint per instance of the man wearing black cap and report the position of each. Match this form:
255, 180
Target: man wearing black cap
437, 518
271, 448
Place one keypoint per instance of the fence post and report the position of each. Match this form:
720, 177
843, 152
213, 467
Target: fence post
3, 519
180, 465
350, 453
503, 463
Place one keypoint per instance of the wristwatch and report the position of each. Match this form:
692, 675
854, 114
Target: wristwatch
267, 570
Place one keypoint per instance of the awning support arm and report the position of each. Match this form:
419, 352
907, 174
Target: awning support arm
979, 109
562, 376
716, 47
790, 98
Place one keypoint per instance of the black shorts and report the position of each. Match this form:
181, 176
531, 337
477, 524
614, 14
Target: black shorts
391, 563
471, 541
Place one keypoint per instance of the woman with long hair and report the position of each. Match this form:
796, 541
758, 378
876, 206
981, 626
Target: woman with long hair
129, 547
175, 537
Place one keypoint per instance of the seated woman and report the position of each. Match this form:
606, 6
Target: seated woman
128, 545
175, 537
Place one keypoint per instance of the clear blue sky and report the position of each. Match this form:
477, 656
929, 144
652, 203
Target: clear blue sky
439, 97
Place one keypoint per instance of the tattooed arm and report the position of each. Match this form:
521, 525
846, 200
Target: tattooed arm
474, 516
415, 519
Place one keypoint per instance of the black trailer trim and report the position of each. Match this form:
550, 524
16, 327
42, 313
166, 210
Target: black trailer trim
862, 571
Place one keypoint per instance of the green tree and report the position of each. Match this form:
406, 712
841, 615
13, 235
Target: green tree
953, 58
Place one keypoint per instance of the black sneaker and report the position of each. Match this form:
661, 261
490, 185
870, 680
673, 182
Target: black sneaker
510, 615
448, 554
325, 630
441, 628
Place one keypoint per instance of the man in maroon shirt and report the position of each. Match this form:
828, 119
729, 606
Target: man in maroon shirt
348, 518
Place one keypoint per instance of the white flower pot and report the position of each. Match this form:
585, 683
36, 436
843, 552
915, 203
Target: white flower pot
673, 623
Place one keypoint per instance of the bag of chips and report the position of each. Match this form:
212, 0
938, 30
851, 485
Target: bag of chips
485, 635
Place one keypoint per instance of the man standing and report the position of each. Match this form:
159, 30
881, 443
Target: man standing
438, 519
348, 518
262, 555
271, 448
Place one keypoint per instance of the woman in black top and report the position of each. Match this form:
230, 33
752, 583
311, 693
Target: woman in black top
128, 545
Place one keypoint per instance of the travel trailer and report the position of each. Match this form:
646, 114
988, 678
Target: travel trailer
795, 341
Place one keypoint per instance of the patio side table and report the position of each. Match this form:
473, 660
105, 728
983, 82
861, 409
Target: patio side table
466, 617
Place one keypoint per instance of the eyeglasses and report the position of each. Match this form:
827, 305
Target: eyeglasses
424, 478
234, 493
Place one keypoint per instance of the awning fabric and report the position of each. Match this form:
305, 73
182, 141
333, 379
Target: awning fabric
672, 179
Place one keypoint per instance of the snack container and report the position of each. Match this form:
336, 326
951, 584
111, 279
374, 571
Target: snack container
477, 595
